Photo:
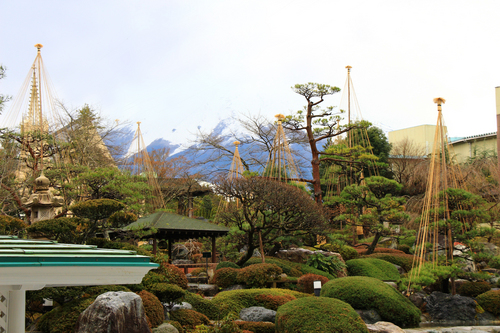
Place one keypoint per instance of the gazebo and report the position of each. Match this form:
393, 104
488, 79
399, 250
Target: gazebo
34, 264
173, 227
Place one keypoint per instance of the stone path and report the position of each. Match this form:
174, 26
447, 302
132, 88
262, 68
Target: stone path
459, 329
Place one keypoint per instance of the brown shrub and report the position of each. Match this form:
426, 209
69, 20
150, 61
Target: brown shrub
153, 308
305, 283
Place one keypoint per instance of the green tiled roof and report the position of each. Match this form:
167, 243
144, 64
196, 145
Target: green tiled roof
174, 222
15, 252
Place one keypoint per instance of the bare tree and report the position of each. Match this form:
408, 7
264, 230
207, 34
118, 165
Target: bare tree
405, 159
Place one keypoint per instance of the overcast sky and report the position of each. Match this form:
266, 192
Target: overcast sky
177, 65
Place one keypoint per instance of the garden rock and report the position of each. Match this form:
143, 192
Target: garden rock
369, 316
257, 313
180, 252
203, 289
114, 311
384, 327
418, 298
401, 270
183, 305
494, 280
165, 328
447, 307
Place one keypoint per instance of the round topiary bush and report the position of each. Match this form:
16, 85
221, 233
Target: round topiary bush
364, 293
273, 302
490, 301
174, 275
305, 283
225, 277
473, 289
318, 314
167, 293
224, 264
372, 267
256, 327
233, 301
189, 318
401, 259
258, 275
153, 308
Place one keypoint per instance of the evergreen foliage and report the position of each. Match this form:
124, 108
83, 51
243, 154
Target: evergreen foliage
372, 267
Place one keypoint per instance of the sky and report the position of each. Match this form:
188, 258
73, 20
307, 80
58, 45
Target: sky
179, 65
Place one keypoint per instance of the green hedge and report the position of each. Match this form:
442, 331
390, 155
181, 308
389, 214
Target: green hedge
400, 259
375, 268
318, 314
290, 268
474, 289
234, 301
364, 293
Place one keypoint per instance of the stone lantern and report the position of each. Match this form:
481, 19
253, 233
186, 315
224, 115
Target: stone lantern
42, 202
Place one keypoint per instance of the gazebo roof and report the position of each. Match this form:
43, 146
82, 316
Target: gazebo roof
176, 226
36, 262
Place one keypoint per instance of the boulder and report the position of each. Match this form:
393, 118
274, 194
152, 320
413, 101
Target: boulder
384, 327
165, 328
180, 252
369, 316
257, 313
447, 307
114, 311
400, 269
183, 305
203, 289
418, 298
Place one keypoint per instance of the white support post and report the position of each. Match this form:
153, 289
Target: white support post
17, 306
4, 306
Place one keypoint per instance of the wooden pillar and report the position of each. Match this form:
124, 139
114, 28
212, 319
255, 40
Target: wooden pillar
497, 97
170, 250
155, 245
214, 250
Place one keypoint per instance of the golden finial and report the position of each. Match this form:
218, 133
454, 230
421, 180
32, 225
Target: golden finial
38, 46
280, 116
236, 143
439, 101
348, 68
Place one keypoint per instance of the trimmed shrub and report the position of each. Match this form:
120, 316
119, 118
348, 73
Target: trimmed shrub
153, 308
174, 275
375, 268
167, 293
495, 262
364, 293
473, 289
202, 305
234, 301
63, 318
189, 318
176, 324
318, 314
289, 268
198, 271
405, 248
305, 283
258, 275
490, 301
225, 277
347, 252
400, 259
273, 302
256, 327
224, 264
362, 251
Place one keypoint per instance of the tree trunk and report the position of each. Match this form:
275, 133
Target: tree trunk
372, 246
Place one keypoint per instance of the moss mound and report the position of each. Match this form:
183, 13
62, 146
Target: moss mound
375, 268
474, 289
365, 293
189, 318
202, 305
234, 301
400, 259
318, 314
490, 301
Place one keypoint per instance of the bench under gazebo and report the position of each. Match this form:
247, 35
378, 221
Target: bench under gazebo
172, 227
